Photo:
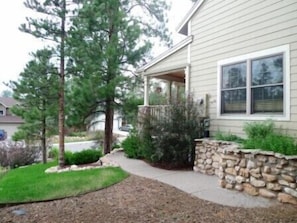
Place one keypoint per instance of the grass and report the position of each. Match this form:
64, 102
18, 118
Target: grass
33, 184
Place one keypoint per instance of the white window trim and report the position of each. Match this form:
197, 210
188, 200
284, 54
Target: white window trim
285, 50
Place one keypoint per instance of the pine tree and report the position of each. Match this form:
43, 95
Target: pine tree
51, 25
37, 96
108, 39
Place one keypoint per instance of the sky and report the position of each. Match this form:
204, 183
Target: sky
16, 46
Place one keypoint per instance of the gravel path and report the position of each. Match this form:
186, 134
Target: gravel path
138, 199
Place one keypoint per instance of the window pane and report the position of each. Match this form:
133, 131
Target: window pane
267, 70
234, 76
234, 101
267, 99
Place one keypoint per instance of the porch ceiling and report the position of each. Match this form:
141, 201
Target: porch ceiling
177, 76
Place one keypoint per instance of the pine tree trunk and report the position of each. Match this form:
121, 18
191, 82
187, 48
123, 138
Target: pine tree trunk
43, 139
108, 126
61, 92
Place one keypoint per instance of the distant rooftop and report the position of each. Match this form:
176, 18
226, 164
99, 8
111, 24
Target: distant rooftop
7, 102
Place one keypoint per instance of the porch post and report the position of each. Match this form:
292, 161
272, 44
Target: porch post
146, 90
187, 79
169, 96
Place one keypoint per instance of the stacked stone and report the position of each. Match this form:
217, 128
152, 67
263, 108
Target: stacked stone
255, 172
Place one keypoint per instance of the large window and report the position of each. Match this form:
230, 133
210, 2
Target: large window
254, 85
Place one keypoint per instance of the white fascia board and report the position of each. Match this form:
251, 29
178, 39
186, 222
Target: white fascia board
167, 53
189, 15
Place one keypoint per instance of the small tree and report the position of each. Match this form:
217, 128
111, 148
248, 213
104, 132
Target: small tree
37, 94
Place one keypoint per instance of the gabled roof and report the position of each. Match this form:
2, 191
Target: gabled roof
182, 27
166, 54
11, 119
7, 102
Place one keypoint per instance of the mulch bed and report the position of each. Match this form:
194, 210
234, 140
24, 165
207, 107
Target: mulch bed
138, 199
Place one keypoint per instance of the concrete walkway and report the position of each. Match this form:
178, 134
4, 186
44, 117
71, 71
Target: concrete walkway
199, 185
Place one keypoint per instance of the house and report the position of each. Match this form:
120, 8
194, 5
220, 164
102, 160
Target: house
240, 58
8, 121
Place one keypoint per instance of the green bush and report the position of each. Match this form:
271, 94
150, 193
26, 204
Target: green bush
228, 137
131, 146
256, 130
82, 157
263, 135
169, 139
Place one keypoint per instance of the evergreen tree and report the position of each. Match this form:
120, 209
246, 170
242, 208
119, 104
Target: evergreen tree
36, 92
51, 25
108, 39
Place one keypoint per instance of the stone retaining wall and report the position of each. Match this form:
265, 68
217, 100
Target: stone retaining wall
256, 172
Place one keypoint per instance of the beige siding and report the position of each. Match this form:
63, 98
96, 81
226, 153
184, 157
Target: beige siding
225, 29
175, 61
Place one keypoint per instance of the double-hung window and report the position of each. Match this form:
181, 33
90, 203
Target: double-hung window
255, 86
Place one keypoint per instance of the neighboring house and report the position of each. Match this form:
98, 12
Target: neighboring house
8, 121
240, 57
98, 122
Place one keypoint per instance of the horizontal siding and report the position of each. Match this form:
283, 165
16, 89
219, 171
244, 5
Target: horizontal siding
225, 29
176, 60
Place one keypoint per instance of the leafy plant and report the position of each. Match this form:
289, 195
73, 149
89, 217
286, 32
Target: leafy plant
169, 138
228, 137
131, 146
82, 157
263, 135
17, 154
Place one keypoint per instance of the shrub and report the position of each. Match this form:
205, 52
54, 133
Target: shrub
17, 154
131, 146
258, 129
228, 137
82, 157
169, 138
263, 135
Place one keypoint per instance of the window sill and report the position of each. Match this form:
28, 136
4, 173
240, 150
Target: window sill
254, 117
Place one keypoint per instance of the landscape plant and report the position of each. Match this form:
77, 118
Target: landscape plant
169, 139
265, 136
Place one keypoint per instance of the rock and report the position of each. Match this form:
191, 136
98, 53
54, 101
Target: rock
19, 212
230, 179
250, 164
221, 175
291, 191
53, 169
269, 177
237, 168
230, 163
244, 172
250, 189
283, 183
266, 193
229, 186
257, 183
242, 163
240, 179
223, 164
293, 185
73, 167
267, 169
231, 171
255, 173
286, 198
283, 162
238, 187
262, 158
275, 171
274, 186
222, 183
209, 161
216, 165
288, 178
272, 159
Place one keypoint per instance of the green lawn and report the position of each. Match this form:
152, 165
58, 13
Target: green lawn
33, 184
